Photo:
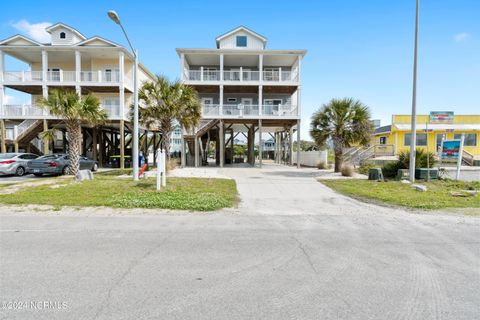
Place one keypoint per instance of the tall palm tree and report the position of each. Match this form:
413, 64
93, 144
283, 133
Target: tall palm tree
346, 122
74, 110
163, 103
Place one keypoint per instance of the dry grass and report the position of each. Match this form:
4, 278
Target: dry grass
347, 170
322, 165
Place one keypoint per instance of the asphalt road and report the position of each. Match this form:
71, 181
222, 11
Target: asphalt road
292, 250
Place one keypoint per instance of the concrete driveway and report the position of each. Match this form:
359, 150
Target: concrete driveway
292, 250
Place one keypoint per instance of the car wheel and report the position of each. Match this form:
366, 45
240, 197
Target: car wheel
95, 167
38, 174
65, 170
20, 171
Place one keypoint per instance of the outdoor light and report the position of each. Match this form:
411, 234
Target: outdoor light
115, 18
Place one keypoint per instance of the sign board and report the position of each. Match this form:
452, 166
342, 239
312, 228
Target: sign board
441, 117
451, 149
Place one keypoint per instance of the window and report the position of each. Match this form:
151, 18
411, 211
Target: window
470, 139
62, 35
383, 140
421, 139
241, 41
231, 99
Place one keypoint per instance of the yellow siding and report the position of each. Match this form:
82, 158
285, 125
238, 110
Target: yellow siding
397, 137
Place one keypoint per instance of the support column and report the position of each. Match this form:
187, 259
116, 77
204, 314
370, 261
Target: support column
101, 149
2, 90
221, 67
45, 140
220, 112
222, 144
122, 144
78, 69
121, 88
290, 146
260, 67
94, 144
260, 100
4, 136
196, 151
183, 158
298, 143
44, 66
182, 67
260, 146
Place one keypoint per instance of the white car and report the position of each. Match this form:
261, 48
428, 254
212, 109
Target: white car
15, 163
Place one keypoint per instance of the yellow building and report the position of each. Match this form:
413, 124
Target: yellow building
431, 129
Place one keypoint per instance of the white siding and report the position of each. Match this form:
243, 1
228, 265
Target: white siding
70, 37
230, 42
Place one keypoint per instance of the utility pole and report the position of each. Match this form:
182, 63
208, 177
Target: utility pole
413, 134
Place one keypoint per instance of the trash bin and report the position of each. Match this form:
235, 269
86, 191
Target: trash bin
375, 174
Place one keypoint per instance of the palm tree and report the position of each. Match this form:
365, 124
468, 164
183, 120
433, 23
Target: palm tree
163, 103
74, 110
346, 122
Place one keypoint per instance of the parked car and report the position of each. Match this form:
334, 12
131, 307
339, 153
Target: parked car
15, 163
57, 164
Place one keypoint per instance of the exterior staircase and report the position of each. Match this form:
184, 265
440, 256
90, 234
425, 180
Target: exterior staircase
28, 130
203, 127
467, 158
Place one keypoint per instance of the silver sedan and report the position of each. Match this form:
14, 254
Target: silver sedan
15, 163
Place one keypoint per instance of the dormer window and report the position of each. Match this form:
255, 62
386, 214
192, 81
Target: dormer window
62, 35
241, 41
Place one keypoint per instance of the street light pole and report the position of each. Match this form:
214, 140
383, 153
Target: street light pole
115, 18
413, 135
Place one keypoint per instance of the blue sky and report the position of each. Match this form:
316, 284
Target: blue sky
361, 49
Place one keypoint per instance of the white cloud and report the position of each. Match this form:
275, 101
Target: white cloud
8, 99
459, 37
36, 31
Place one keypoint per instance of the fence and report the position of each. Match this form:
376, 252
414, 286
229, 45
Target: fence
310, 158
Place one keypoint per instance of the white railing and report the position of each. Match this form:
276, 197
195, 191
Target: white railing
247, 110
209, 110
98, 76
22, 76
10, 134
22, 110
279, 110
241, 75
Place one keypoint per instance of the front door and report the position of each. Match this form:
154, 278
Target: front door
271, 106
247, 105
54, 74
208, 107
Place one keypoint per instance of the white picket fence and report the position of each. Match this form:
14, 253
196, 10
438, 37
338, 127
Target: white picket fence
310, 158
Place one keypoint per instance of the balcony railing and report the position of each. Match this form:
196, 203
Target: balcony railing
62, 76
244, 110
241, 76
23, 110
29, 111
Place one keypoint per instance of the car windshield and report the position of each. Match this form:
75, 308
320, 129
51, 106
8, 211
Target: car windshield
7, 155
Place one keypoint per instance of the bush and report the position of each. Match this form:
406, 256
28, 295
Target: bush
322, 165
172, 163
421, 159
390, 169
365, 167
347, 170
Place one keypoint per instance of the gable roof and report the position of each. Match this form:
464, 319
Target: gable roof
63, 25
20, 38
97, 39
240, 28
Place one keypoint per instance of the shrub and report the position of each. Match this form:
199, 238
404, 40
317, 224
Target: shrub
347, 170
323, 165
390, 169
172, 163
365, 167
421, 159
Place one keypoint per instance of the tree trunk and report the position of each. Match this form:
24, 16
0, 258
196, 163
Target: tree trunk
338, 149
165, 142
74, 130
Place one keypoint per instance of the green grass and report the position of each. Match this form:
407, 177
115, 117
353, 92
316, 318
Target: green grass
397, 193
181, 193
